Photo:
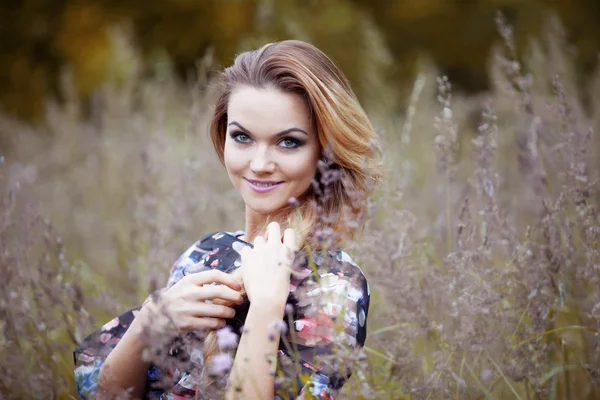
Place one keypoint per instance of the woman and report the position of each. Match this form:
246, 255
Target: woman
301, 152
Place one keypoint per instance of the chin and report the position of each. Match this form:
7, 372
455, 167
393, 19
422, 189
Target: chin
262, 209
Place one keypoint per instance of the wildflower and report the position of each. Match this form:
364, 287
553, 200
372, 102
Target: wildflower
319, 235
221, 364
485, 375
362, 356
330, 176
226, 338
278, 326
293, 202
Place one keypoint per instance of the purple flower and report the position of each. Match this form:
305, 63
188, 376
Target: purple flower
278, 326
486, 375
226, 338
319, 235
330, 176
293, 202
221, 364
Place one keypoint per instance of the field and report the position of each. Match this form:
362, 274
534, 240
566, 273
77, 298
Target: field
482, 247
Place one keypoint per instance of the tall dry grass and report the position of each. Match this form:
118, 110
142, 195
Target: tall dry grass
482, 247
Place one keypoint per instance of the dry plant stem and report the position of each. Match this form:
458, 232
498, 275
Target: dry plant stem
516, 292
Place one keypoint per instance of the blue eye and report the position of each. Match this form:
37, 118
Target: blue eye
289, 143
240, 137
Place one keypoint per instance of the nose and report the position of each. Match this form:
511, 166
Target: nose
261, 162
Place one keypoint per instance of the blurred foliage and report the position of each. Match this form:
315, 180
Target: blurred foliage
458, 33
482, 248
40, 37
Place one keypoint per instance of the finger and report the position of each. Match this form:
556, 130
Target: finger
202, 309
246, 251
196, 324
274, 233
245, 256
289, 238
259, 241
214, 275
219, 292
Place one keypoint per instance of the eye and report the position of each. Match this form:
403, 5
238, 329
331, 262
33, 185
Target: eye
289, 143
240, 137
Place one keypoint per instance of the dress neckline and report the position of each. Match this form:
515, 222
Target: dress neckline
236, 235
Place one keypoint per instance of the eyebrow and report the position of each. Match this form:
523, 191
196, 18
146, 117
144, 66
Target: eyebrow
278, 134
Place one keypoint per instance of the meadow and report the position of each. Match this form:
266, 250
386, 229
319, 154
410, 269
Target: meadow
481, 247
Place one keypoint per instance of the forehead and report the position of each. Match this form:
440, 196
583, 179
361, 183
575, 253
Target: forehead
267, 110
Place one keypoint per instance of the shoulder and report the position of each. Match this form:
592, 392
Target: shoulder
191, 260
193, 254
341, 264
205, 244
332, 266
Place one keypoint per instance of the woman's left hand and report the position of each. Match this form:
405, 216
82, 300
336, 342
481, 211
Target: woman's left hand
266, 268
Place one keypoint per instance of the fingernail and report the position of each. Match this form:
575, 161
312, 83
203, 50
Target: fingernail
238, 286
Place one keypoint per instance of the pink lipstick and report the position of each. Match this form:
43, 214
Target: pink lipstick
262, 186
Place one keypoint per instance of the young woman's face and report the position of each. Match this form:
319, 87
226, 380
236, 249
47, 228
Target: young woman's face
271, 147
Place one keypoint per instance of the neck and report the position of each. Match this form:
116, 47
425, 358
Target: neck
256, 223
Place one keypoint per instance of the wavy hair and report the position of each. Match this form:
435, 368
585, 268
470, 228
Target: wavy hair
350, 164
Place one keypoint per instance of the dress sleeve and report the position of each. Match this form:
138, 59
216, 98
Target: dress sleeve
331, 328
93, 350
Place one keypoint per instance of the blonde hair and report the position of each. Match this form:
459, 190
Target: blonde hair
348, 141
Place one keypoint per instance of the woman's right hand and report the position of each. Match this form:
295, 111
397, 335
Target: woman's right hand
185, 303
183, 306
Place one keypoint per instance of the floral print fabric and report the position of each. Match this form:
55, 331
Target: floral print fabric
328, 307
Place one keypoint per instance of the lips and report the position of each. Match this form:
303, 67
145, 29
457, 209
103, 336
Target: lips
262, 186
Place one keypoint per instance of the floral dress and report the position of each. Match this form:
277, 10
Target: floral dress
330, 302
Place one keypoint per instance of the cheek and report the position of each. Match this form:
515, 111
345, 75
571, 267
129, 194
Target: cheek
303, 167
312, 158
233, 161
